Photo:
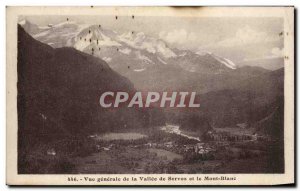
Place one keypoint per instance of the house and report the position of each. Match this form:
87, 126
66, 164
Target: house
199, 145
92, 136
51, 152
254, 137
168, 144
201, 151
105, 148
189, 148
151, 145
242, 125
98, 147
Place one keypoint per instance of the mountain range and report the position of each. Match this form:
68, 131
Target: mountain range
140, 49
228, 94
140, 58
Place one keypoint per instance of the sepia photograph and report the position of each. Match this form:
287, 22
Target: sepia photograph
162, 91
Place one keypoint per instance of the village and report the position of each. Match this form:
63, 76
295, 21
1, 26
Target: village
169, 150
169, 139
208, 145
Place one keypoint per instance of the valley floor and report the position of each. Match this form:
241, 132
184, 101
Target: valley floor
127, 160
157, 152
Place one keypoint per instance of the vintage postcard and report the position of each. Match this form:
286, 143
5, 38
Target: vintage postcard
150, 95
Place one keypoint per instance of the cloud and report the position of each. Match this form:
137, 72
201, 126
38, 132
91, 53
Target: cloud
277, 52
246, 36
178, 36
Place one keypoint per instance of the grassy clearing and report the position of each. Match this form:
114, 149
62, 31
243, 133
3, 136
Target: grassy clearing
120, 136
170, 156
125, 160
235, 130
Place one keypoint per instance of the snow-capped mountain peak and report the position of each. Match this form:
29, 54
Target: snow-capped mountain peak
134, 48
142, 42
228, 63
94, 35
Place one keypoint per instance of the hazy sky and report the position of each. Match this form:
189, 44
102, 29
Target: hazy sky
236, 38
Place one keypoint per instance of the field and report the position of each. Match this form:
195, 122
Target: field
235, 130
155, 153
161, 153
120, 136
126, 160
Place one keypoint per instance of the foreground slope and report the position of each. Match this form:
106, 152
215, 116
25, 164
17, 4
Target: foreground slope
59, 90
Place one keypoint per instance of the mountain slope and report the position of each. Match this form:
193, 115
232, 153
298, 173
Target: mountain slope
250, 102
256, 101
268, 63
272, 124
59, 90
32, 28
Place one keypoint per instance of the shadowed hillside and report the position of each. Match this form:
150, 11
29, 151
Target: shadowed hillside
58, 95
